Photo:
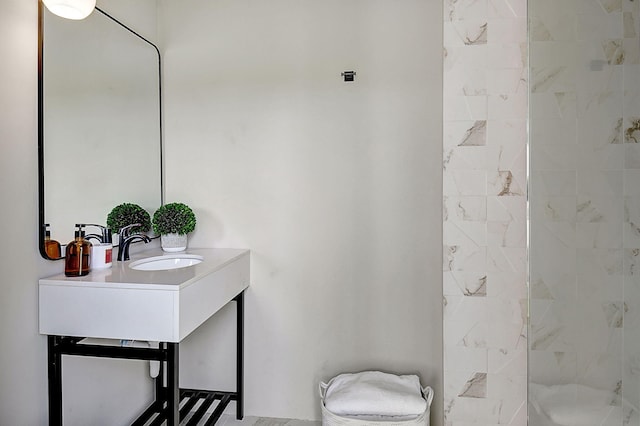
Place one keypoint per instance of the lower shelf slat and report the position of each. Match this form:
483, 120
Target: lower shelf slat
193, 421
148, 414
159, 420
186, 408
156, 412
218, 411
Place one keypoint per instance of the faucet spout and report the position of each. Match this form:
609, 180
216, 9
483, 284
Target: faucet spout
96, 237
123, 247
125, 231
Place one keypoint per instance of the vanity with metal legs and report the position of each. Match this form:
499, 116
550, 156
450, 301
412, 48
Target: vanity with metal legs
186, 299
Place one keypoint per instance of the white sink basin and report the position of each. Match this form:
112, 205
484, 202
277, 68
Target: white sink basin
163, 263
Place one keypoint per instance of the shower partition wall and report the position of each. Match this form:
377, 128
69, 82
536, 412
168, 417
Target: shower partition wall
584, 171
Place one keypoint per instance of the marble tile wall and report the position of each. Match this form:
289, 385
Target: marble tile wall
585, 205
484, 232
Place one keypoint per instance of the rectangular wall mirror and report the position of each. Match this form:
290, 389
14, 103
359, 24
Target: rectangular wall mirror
100, 135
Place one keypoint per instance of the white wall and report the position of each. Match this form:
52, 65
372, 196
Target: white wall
23, 354
335, 187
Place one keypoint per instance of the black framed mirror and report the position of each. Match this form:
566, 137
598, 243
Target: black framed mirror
99, 121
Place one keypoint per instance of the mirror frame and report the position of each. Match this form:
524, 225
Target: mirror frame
41, 180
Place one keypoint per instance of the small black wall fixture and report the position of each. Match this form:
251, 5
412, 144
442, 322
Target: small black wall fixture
348, 75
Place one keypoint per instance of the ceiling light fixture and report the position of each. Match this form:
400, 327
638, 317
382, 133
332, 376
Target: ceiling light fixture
70, 9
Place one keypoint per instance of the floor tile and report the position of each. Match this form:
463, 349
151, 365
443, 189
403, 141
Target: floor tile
230, 420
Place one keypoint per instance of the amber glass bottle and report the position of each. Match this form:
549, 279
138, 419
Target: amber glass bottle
78, 255
51, 247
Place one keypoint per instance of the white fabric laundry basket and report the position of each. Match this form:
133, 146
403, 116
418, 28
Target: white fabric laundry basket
373, 398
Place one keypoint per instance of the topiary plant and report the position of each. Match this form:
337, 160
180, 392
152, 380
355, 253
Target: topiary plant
127, 214
174, 218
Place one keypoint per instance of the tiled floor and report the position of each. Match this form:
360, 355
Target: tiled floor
227, 420
230, 420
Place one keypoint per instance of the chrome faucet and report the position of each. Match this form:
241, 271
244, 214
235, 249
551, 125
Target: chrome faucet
125, 239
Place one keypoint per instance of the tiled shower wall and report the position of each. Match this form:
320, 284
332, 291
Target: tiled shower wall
484, 188
585, 206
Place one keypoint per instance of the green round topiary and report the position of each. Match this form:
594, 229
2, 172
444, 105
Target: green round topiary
174, 218
127, 214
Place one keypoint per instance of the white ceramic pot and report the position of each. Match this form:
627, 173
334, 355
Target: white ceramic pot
173, 242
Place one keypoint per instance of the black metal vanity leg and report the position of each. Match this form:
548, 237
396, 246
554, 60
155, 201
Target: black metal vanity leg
173, 391
160, 394
55, 381
240, 356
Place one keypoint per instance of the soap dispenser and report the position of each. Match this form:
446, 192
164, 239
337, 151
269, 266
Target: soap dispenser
78, 255
51, 247
102, 251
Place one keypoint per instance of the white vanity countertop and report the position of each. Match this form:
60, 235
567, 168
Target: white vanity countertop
123, 303
120, 275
